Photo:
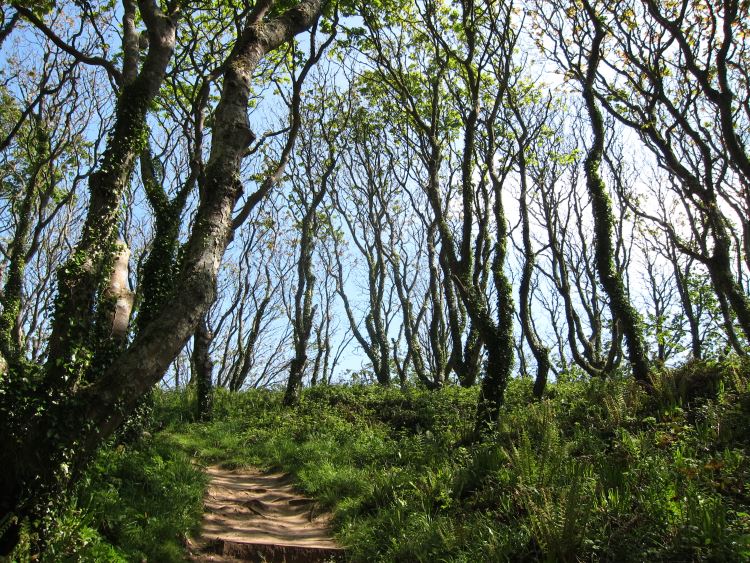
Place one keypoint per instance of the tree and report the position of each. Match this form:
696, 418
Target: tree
249, 343
45, 158
54, 421
563, 213
526, 135
314, 173
590, 33
450, 84
681, 91
362, 198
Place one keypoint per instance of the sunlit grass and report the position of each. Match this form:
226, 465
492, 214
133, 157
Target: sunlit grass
598, 471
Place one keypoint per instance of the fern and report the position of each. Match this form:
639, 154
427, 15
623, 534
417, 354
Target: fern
558, 516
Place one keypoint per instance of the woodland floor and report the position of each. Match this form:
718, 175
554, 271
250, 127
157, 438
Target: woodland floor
254, 516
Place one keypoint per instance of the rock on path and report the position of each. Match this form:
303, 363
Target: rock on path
254, 516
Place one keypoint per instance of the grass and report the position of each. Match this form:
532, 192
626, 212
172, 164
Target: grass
598, 471
136, 502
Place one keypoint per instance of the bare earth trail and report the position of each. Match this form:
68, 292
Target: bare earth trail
255, 516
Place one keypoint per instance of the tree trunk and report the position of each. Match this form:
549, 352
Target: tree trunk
541, 352
622, 310
40, 453
203, 370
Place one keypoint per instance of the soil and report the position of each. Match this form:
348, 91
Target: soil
254, 516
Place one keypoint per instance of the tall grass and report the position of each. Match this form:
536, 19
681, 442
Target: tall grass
138, 501
598, 471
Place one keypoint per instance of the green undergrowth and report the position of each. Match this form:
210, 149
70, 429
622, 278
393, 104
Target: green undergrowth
136, 502
598, 471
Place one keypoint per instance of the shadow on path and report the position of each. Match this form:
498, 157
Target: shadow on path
254, 516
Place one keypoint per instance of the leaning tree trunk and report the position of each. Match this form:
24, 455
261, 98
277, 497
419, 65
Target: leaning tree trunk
45, 417
71, 428
79, 279
622, 310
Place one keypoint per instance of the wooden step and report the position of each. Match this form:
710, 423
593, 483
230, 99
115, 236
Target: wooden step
275, 553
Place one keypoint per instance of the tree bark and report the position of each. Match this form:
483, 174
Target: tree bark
203, 370
622, 309
80, 278
540, 352
73, 426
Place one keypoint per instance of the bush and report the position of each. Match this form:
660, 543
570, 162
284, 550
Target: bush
136, 502
598, 471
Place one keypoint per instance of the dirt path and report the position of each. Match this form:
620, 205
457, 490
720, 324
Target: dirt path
254, 516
